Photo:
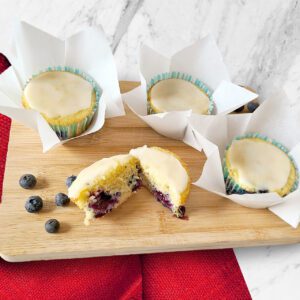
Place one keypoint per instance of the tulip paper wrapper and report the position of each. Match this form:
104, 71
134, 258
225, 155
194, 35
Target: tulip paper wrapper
35, 51
279, 119
201, 61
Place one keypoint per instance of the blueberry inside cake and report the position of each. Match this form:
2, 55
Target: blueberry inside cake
104, 185
257, 164
165, 176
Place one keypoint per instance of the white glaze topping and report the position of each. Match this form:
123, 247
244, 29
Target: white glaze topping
58, 94
163, 168
259, 164
96, 171
178, 94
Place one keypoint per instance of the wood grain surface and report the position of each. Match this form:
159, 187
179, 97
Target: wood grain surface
140, 225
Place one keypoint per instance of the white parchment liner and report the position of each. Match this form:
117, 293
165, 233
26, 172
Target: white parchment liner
277, 118
35, 50
202, 61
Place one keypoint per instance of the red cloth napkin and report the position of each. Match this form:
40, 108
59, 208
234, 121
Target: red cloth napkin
213, 274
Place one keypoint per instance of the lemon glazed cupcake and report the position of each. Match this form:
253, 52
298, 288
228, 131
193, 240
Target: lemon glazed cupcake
257, 164
104, 185
176, 91
166, 177
67, 98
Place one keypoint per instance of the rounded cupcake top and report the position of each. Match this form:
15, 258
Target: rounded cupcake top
258, 165
97, 171
164, 169
175, 94
58, 93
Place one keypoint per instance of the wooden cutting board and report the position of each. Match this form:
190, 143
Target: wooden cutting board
141, 225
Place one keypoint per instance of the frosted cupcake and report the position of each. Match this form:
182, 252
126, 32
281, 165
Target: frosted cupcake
177, 92
257, 164
65, 97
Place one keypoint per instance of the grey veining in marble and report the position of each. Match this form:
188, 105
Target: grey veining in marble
260, 43
271, 272
260, 40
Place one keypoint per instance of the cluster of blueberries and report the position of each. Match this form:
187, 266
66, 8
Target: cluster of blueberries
35, 203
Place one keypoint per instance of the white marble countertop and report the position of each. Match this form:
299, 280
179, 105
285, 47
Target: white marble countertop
259, 40
271, 272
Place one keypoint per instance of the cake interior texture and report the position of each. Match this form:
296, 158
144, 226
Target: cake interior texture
103, 186
165, 176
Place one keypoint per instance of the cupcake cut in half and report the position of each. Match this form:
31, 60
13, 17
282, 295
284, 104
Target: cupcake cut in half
66, 98
257, 164
104, 185
177, 92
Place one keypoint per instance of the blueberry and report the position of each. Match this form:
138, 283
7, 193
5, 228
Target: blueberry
239, 109
61, 199
70, 180
27, 181
181, 211
34, 204
105, 196
252, 106
52, 226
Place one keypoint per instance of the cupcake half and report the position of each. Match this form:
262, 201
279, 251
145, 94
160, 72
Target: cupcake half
104, 185
165, 176
177, 92
67, 98
258, 164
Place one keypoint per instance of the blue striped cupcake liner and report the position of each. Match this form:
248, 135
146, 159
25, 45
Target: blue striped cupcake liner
183, 76
65, 132
234, 188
